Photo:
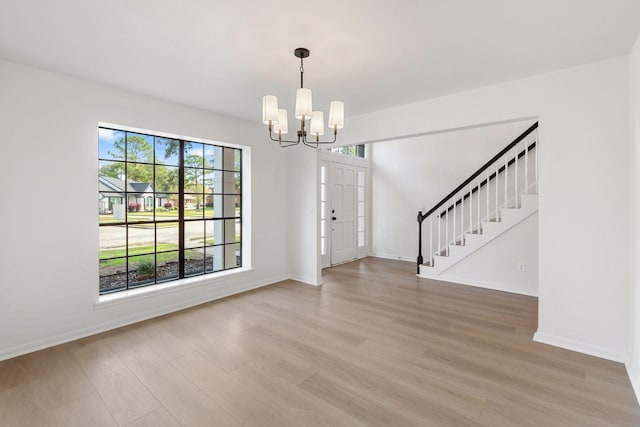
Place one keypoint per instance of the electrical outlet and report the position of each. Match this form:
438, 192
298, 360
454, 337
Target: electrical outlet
522, 267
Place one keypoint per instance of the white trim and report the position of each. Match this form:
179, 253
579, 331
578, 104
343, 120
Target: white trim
394, 257
218, 292
306, 280
479, 284
634, 377
579, 346
330, 156
144, 292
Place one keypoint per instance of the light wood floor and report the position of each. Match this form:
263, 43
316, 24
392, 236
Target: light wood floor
374, 346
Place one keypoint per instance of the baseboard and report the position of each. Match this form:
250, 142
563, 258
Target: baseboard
486, 285
127, 320
634, 377
306, 280
395, 257
579, 346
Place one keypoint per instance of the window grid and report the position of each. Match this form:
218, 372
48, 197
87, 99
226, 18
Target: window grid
144, 239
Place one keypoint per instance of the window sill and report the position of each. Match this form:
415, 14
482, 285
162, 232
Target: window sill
164, 288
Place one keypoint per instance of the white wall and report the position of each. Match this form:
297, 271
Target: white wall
303, 220
414, 174
584, 132
634, 359
495, 265
49, 226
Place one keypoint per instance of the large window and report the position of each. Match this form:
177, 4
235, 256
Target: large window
169, 209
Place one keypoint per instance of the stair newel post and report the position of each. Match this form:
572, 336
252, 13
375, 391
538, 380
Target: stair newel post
515, 202
420, 260
496, 185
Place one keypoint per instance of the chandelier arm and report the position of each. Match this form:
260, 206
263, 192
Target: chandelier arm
282, 140
335, 137
289, 144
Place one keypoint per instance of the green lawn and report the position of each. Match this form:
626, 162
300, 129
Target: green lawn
112, 253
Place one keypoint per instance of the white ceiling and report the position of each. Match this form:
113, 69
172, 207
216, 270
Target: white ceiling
224, 55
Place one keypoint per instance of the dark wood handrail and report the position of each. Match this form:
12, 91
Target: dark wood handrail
421, 216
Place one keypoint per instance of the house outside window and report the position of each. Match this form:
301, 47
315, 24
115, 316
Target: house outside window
169, 208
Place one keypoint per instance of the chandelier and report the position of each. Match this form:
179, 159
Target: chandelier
277, 120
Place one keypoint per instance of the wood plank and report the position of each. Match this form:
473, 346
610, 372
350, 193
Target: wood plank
124, 395
158, 418
183, 399
87, 411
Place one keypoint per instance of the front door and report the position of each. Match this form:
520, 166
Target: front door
343, 214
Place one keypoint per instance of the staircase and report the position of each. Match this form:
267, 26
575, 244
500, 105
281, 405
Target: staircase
494, 199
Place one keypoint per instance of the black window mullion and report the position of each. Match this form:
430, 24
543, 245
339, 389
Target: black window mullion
126, 207
155, 220
181, 210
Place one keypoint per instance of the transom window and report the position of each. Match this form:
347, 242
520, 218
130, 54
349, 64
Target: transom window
168, 208
350, 150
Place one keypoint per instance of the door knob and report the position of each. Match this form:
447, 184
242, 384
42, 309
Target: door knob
333, 218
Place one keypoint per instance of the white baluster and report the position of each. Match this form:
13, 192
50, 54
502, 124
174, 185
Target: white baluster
462, 219
516, 181
506, 175
431, 239
536, 159
439, 233
470, 209
446, 232
478, 206
454, 220
486, 189
526, 168
496, 183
